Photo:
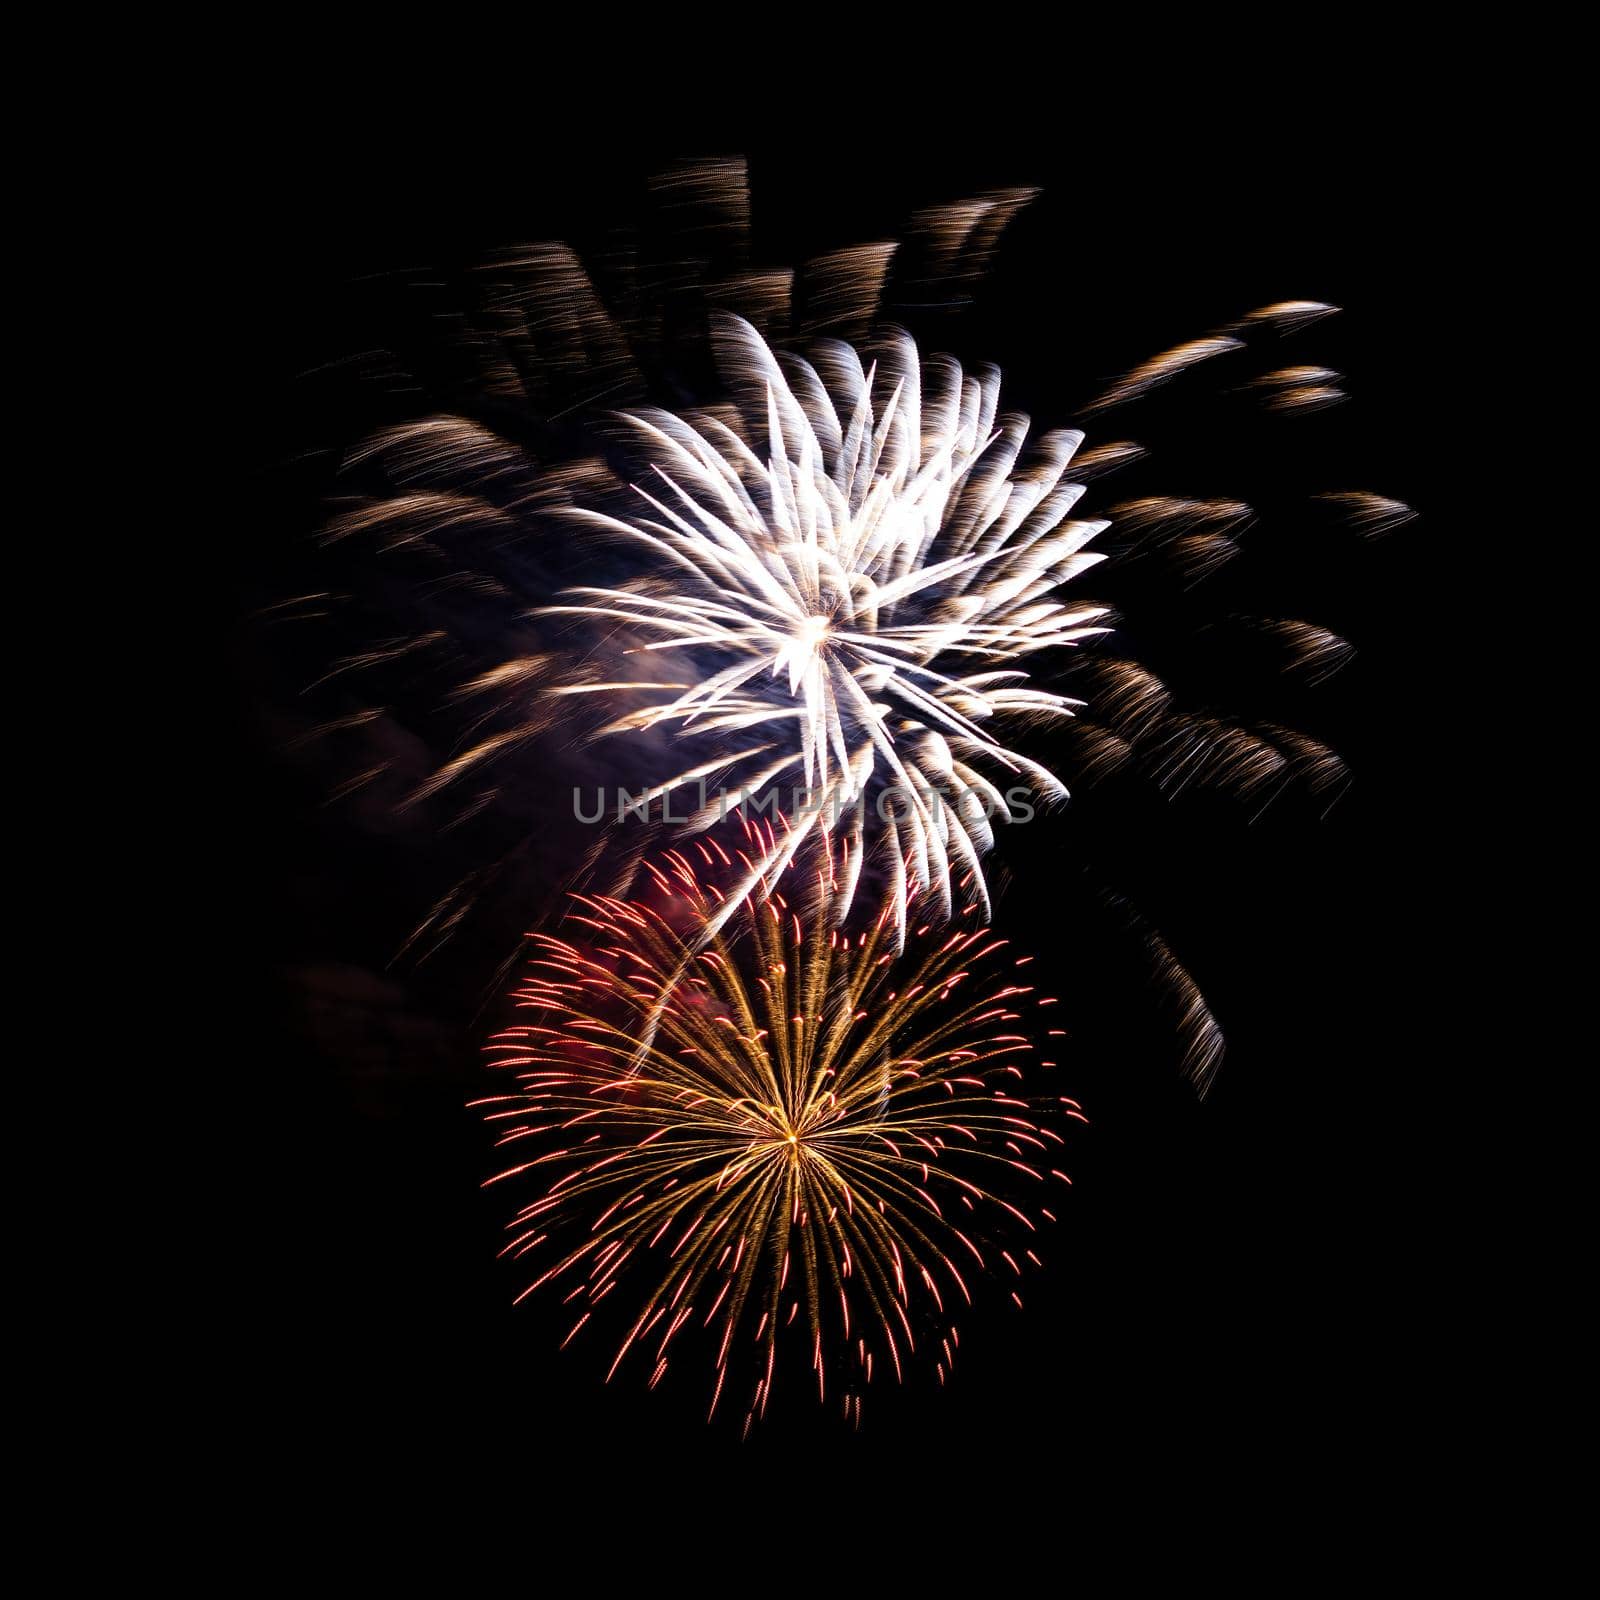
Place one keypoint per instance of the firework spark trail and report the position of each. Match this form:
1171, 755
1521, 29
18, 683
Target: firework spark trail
819, 1136
843, 586
1372, 515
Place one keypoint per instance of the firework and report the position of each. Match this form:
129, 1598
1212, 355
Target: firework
852, 600
844, 576
788, 1140
838, 574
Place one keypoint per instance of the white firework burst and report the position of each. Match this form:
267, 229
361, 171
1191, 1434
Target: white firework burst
846, 599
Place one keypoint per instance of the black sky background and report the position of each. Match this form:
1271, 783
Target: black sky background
1255, 1269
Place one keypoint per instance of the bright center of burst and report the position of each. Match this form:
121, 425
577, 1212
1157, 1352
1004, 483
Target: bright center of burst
811, 633
805, 642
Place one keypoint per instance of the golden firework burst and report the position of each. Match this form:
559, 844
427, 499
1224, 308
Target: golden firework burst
790, 1127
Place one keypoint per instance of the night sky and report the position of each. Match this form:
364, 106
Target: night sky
1244, 1268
